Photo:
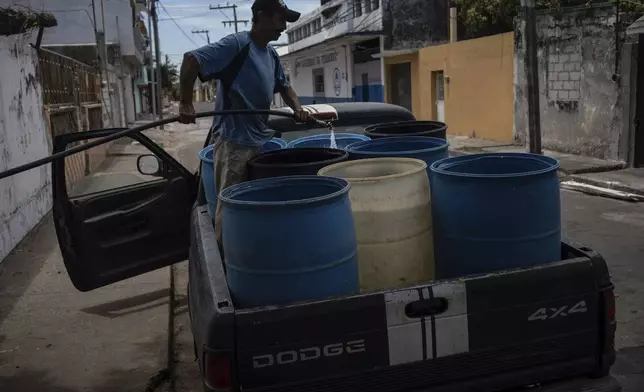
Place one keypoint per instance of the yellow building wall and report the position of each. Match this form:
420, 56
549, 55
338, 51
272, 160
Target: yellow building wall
479, 85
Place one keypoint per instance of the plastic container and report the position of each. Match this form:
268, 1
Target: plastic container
273, 144
407, 128
392, 214
427, 149
324, 140
494, 212
293, 161
289, 239
208, 178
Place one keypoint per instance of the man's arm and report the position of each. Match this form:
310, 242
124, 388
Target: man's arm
290, 98
187, 77
205, 63
289, 95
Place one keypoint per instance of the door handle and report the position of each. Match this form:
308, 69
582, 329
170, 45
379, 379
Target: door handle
426, 307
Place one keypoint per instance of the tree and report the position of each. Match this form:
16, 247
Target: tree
169, 75
169, 78
486, 17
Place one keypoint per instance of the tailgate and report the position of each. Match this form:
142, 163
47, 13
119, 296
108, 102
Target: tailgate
502, 330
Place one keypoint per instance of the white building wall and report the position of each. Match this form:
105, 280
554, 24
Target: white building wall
336, 65
75, 19
26, 197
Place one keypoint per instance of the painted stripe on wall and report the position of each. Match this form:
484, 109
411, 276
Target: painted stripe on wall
426, 338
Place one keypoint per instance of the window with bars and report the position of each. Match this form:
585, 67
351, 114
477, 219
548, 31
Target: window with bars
318, 82
357, 8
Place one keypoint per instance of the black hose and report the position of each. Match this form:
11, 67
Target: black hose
120, 134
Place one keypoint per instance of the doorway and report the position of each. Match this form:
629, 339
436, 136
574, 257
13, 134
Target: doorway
638, 140
438, 78
365, 87
401, 85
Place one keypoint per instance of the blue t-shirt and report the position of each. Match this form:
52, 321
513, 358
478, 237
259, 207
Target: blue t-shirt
261, 76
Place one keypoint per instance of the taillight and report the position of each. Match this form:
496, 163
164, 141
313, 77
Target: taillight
218, 371
609, 305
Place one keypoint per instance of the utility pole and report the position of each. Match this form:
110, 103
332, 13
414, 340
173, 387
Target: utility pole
152, 78
203, 32
153, 11
532, 75
230, 22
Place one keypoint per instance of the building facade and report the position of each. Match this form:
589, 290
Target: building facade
332, 53
126, 40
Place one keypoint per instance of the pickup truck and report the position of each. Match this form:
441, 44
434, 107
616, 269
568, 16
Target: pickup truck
551, 325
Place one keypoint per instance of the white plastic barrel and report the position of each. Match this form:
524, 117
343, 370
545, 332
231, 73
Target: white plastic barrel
392, 214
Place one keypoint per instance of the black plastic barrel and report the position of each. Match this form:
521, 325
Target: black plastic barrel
293, 162
407, 128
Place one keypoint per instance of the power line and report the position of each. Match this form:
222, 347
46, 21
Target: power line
235, 21
177, 24
203, 32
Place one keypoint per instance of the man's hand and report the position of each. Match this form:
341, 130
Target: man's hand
186, 113
302, 116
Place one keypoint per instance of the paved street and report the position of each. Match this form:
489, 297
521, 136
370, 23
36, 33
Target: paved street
54, 338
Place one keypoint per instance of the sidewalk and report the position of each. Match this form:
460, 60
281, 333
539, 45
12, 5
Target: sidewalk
591, 175
54, 338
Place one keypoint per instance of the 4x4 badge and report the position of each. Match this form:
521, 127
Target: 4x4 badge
550, 313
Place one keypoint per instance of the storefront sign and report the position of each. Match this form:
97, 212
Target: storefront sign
337, 82
317, 60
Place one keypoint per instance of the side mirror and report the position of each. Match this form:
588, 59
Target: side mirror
149, 165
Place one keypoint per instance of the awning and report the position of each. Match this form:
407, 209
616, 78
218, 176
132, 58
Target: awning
392, 53
636, 28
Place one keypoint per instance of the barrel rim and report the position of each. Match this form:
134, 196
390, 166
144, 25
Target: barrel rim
444, 145
226, 196
440, 124
203, 152
421, 168
283, 143
554, 164
321, 136
342, 154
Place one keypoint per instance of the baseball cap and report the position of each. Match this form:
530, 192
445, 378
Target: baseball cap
276, 6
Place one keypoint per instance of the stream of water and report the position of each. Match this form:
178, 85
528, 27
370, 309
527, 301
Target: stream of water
334, 144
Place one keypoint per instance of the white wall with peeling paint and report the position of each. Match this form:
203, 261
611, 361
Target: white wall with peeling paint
26, 197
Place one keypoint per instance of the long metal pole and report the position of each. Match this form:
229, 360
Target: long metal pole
532, 75
152, 94
157, 48
235, 17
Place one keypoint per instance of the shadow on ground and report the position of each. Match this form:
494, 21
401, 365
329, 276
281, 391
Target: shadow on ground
15, 274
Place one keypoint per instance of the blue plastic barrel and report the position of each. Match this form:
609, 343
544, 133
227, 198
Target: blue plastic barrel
494, 212
273, 144
289, 239
208, 178
426, 149
324, 140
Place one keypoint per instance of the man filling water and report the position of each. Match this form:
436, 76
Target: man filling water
249, 73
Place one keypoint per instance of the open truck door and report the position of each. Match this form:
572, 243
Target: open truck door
119, 225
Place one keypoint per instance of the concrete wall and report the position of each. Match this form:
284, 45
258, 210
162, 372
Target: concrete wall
581, 107
478, 87
414, 23
75, 19
26, 197
335, 61
375, 87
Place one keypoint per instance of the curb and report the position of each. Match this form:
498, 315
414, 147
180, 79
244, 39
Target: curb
612, 166
616, 186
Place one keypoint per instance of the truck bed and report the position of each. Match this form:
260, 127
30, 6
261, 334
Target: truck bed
496, 331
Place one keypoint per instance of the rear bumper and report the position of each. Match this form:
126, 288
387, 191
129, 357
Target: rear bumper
584, 384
